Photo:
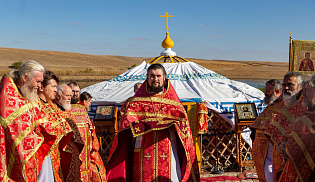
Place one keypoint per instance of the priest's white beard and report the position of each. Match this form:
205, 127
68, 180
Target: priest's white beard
29, 92
66, 104
289, 100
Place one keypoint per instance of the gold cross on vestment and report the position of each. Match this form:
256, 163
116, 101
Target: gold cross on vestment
166, 16
148, 156
163, 156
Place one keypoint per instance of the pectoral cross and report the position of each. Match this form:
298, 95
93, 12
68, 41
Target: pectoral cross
148, 156
166, 16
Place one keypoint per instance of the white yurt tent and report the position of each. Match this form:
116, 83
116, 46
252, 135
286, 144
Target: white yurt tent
192, 82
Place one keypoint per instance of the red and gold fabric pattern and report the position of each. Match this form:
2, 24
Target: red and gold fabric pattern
278, 128
202, 118
59, 127
23, 129
301, 146
89, 169
261, 142
154, 161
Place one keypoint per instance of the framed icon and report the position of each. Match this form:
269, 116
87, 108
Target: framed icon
245, 111
302, 56
104, 112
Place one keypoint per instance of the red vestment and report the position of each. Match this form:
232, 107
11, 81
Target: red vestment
124, 106
26, 135
64, 133
261, 142
301, 149
153, 117
277, 130
92, 167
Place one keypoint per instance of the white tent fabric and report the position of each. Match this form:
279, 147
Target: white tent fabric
191, 81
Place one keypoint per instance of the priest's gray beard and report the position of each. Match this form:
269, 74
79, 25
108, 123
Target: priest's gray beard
269, 99
289, 100
29, 92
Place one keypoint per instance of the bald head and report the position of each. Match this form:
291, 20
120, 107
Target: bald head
63, 96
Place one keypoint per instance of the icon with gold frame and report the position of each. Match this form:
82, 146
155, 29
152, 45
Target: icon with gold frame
245, 111
104, 112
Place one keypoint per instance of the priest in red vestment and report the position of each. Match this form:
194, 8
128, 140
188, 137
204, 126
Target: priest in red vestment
57, 119
92, 167
262, 148
280, 124
25, 133
299, 147
86, 161
154, 141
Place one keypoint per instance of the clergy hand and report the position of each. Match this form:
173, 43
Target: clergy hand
281, 149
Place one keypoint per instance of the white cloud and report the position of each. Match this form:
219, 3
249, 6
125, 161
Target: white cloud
77, 23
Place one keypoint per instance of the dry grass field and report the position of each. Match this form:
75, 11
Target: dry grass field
89, 69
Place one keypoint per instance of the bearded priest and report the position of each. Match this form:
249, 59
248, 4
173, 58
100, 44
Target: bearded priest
25, 138
154, 142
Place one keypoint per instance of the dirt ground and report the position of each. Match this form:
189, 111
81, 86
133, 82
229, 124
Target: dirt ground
89, 69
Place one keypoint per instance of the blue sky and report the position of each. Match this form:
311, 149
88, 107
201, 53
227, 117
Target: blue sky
250, 30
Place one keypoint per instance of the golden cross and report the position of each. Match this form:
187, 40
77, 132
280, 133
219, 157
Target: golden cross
137, 129
166, 16
148, 156
163, 155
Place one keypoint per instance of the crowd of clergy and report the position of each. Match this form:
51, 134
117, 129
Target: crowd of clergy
284, 133
46, 134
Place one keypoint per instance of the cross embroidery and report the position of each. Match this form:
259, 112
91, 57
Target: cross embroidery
137, 129
148, 156
163, 156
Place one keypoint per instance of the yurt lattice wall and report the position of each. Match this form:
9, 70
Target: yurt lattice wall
221, 133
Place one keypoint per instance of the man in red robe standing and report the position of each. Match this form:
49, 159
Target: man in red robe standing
47, 93
25, 138
299, 147
262, 148
90, 166
292, 85
154, 141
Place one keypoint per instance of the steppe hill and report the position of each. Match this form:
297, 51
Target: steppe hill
90, 69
